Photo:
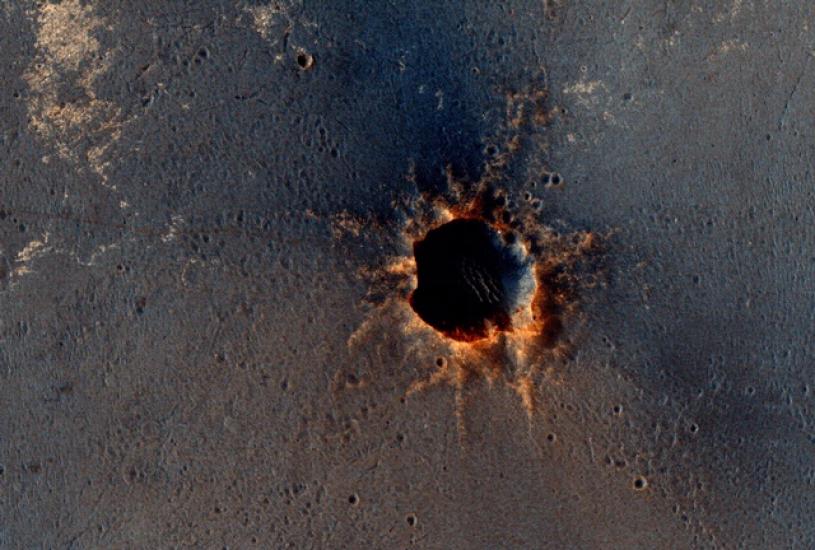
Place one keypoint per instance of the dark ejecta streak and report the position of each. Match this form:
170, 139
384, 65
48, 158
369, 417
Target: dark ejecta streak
461, 266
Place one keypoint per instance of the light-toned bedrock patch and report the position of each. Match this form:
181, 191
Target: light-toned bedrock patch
15, 266
281, 24
271, 22
63, 106
33, 249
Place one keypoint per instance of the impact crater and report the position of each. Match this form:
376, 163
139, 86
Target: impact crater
471, 282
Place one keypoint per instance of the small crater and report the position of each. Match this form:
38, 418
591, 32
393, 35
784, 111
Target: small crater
352, 381
305, 60
412, 520
640, 483
491, 150
353, 499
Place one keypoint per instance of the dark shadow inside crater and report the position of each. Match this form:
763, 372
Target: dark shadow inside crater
468, 280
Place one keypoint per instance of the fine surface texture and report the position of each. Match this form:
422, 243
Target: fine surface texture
207, 212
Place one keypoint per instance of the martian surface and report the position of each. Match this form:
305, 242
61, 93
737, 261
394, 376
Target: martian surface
345, 274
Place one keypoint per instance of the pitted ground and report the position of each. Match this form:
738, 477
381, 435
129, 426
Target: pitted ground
186, 207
